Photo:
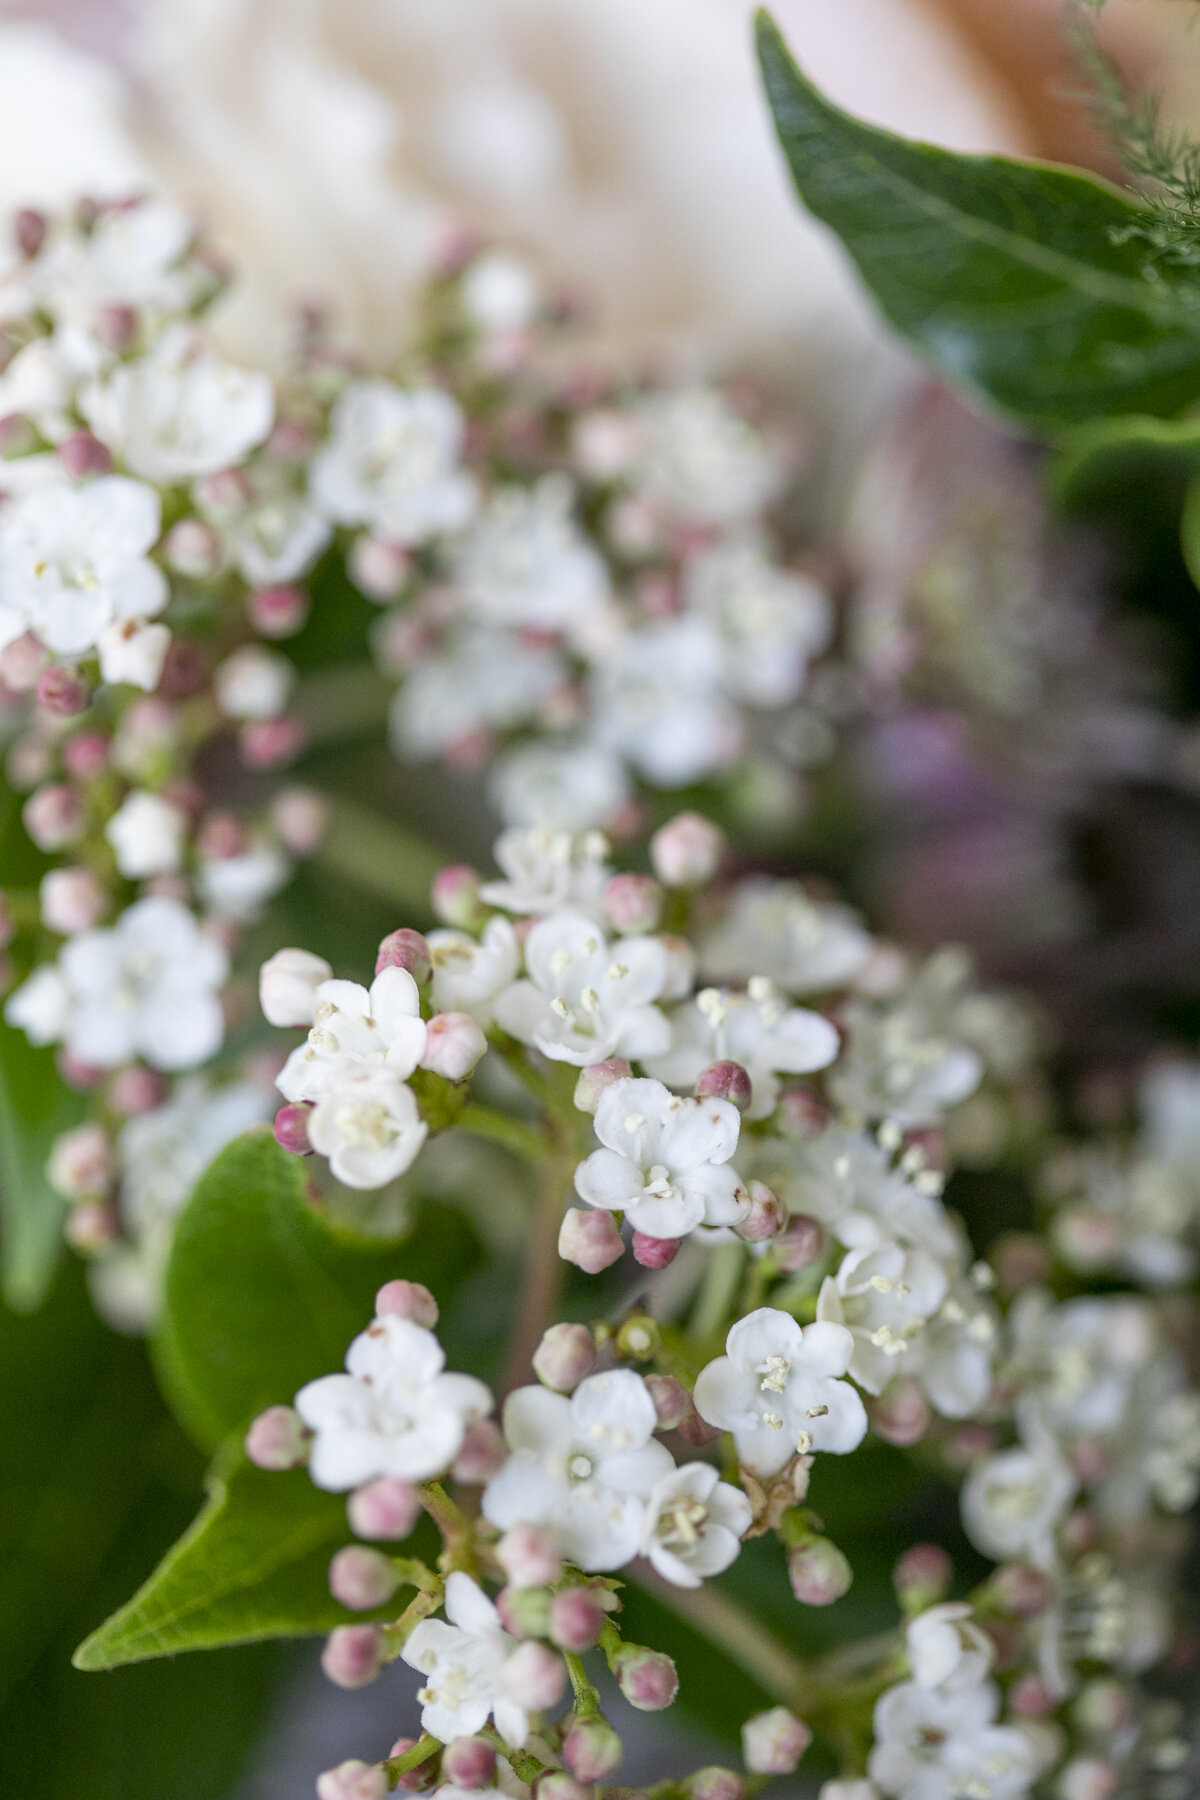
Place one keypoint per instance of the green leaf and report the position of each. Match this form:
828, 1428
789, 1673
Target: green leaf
34, 1107
1092, 458
1019, 279
254, 1565
263, 1293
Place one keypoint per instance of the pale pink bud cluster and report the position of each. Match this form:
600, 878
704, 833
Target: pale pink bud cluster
405, 949
596, 1077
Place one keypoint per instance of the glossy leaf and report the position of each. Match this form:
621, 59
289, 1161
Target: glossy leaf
263, 1293
1024, 281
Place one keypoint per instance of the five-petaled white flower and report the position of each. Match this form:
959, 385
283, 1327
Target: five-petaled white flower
395, 1412
777, 1390
884, 1295
73, 562
932, 1745
694, 1524
353, 1025
367, 1123
464, 1667
772, 928
757, 1029
392, 462
469, 973
664, 1161
545, 870
583, 1467
585, 999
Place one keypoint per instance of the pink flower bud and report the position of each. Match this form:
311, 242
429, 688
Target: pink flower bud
715, 1784
224, 494
353, 1655
672, 1402
405, 949
801, 1113
22, 663
291, 1128
1020, 1260
800, 1243
116, 327
687, 850
268, 743
632, 903
818, 1572
353, 1780
654, 1253
469, 1762
724, 1081
524, 1611
1021, 1590
378, 569
287, 986
300, 817
362, 1578
62, 691
565, 1355
135, 1090
455, 896
647, 1678
1030, 1698
220, 835
535, 1676
91, 1227
454, 1044
766, 1217
85, 755
71, 900
773, 1742
82, 454
29, 231
591, 1749
901, 1413
277, 612
922, 1577
278, 1439
1088, 1778
384, 1508
558, 1785
576, 1617
192, 549
53, 816
408, 1300
529, 1556
590, 1240
481, 1454
697, 1431
80, 1165
596, 1077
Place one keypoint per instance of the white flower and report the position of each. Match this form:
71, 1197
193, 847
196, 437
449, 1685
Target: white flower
484, 681
946, 1650
524, 563
131, 256
657, 699
771, 621
586, 1000
395, 1412
546, 869
180, 411
147, 833
39, 384
41, 1006
392, 462
777, 1390
756, 1029
368, 1124
665, 1161
288, 984
499, 292
277, 539
847, 1181
238, 887
701, 461
1012, 1501
772, 928
899, 1063
253, 683
563, 784
148, 987
356, 1026
582, 1466
694, 1524
1081, 1358
73, 561
468, 974
463, 1663
884, 1295
931, 1745
134, 652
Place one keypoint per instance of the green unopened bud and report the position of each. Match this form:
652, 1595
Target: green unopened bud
639, 1338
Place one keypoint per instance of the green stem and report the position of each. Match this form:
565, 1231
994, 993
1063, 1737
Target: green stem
397, 1634
412, 1758
377, 854
414, 1573
587, 1700
483, 1121
524, 1765
717, 1291
543, 1270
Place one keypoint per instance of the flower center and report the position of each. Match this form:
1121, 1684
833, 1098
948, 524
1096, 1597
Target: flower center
681, 1522
580, 1467
774, 1371
365, 1125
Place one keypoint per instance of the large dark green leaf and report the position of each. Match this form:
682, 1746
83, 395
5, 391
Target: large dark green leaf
264, 1294
1025, 281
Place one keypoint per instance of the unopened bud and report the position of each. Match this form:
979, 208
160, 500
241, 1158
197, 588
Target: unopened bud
576, 1617
901, 1413
524, 1611
115, 327
725, 1081
596, 1077
71, 900
687, 850
300, 817
405, 949
277, 612
529, 1556
558, 1785
565, 1355
455, 896
766, 1217
591, 1749
534, 1676
818, 1572
801, 1113
353, 1655
291, 1128
353, 1780
22, 663
192, 549
278, 1439
654, 1252
590, 1240
62, 691
417, 1780
85, 755
672, 1402
1020, 1260
454, 1043
639, 1338
221, 835
647, 1678
697, 1431
481, 1454
135, 1090
362, 1578
632, 903
29, 231
287, 986
384, 1508
469, 1762
1086, 1238
53, 816
269, 743
1088, 1778
1021, 1590
773, 1742
378, 569
91, 1227
80, 1165
77, 1073
922, 1577
253, 683
1030, 1698
1105, 1707
715, 1784
799, 1244
82, 454
408, 1300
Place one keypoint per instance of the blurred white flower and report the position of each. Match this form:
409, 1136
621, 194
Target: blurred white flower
180, 411
392, 462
